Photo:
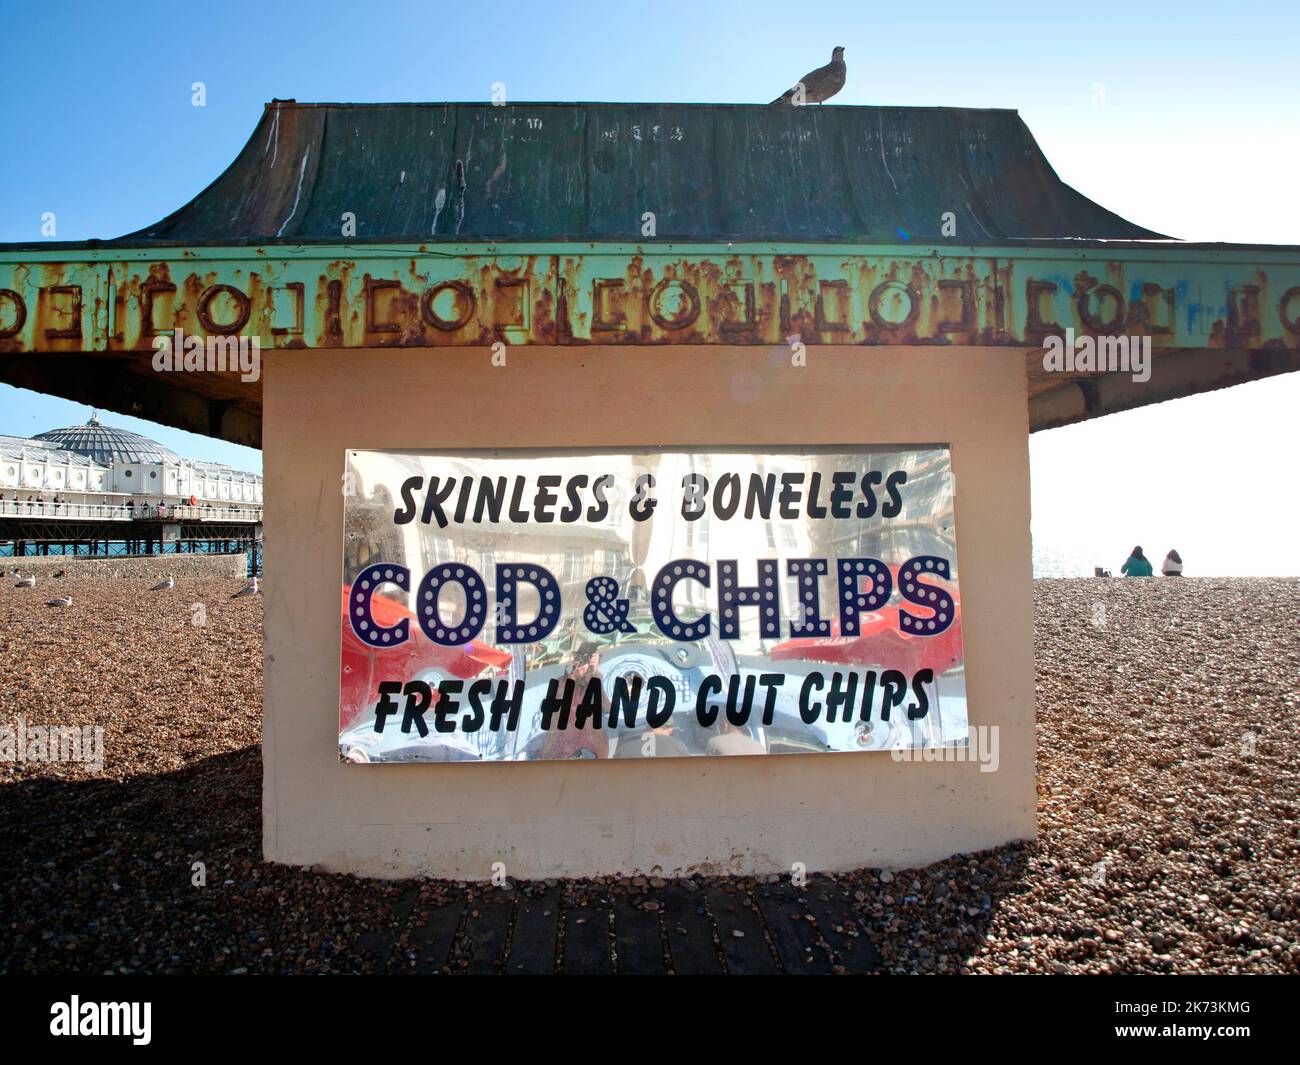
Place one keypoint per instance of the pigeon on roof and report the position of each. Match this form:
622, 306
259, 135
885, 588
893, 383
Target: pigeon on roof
819, 85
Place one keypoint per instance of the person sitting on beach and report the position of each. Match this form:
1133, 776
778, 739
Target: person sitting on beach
1138, 565
1173, 564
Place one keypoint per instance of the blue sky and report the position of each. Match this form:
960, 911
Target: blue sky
1184, 117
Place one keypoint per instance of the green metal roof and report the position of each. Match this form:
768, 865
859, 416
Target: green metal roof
524, 224
587, 171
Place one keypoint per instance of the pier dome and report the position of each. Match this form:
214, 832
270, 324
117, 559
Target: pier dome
106, 444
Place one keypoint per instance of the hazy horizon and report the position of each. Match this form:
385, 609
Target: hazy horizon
1097, 488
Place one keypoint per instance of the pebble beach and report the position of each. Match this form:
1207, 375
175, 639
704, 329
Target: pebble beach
1168, 826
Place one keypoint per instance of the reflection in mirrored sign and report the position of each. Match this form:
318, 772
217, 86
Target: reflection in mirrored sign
512, 606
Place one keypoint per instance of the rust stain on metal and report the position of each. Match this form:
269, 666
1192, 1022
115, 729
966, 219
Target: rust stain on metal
645, 297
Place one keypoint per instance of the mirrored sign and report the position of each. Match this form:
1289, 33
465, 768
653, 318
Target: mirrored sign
514, 606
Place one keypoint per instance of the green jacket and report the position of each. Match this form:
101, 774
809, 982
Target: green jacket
1136, 567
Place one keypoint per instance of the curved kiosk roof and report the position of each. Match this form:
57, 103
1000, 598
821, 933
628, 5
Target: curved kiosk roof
378, 225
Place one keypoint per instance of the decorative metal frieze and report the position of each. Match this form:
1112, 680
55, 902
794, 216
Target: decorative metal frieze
119, 300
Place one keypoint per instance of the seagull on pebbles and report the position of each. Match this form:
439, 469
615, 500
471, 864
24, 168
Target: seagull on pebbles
163, 585
25, 582
248, 589
63, 600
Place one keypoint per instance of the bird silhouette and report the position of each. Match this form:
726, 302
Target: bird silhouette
58, 573
820, 84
